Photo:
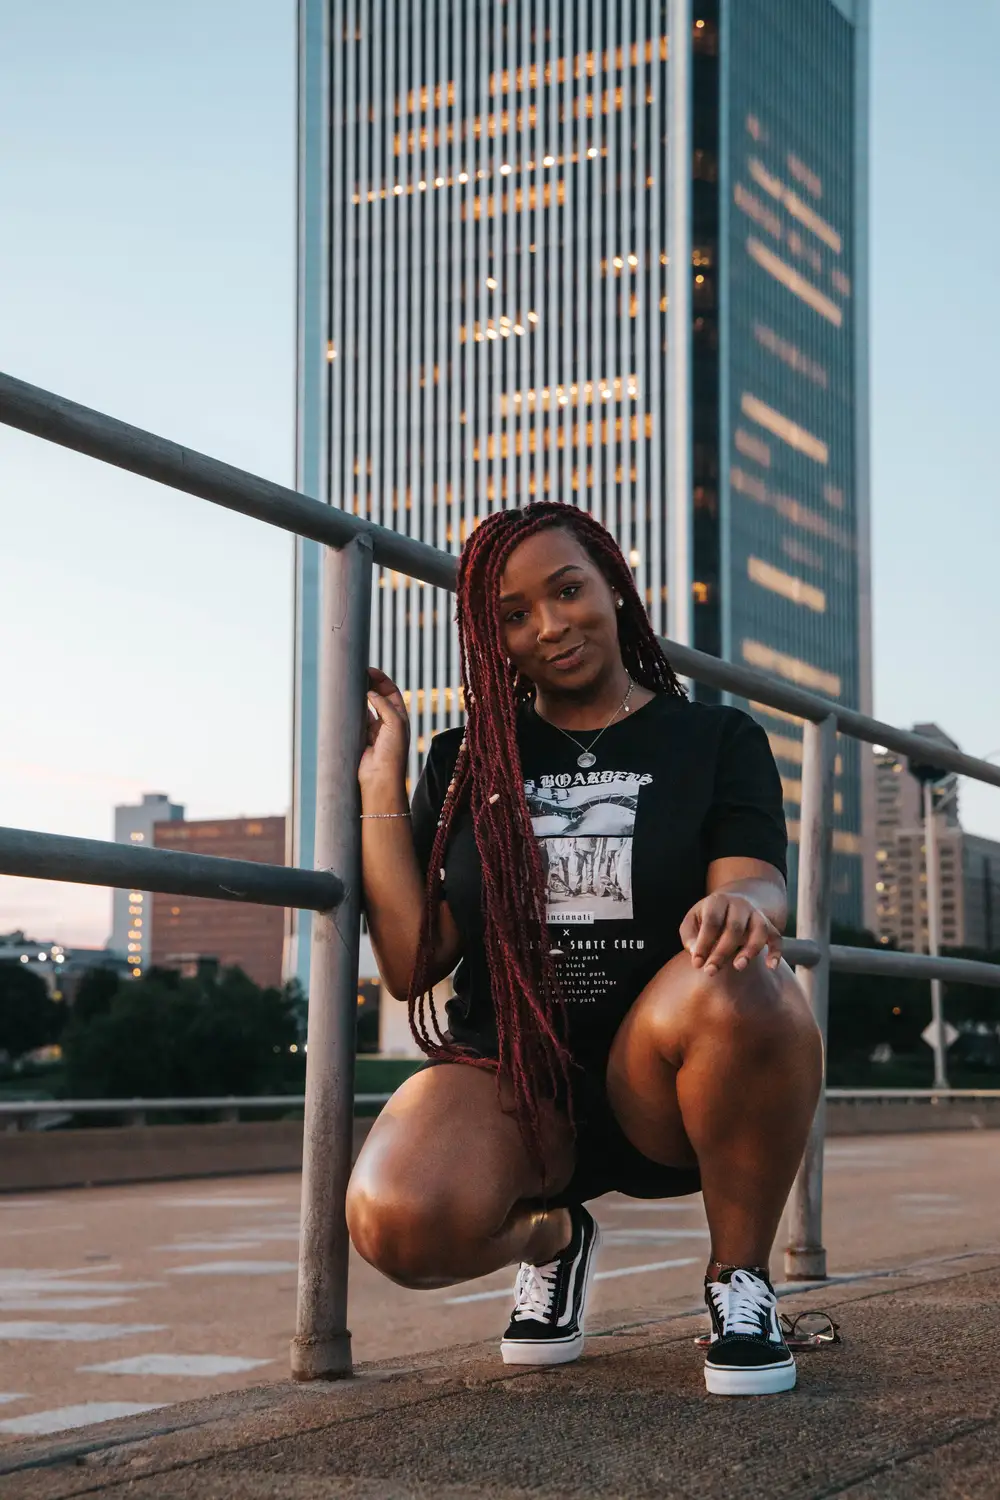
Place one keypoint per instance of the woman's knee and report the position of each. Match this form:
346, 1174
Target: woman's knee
413, 1234
392, 1229
760, 1008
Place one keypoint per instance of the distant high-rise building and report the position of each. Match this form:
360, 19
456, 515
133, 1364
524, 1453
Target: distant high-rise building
968, 866
981, 891
131, 910
554, 251
188, 929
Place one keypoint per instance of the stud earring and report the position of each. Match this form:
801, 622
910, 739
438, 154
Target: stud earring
619, 603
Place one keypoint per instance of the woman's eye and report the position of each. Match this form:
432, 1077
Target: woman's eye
570, 590
515, 617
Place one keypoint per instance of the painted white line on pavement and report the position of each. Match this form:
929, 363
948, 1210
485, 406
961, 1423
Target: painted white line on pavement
191, 1247
219, 1202
658, 1208
75, 1333
506, 1291
21, 1273
273, 1234
40, 1229
58, 1304
925, 1197
63, 1417
12, 1396
43, 1283
643, 1236
235, 1268
203, 1365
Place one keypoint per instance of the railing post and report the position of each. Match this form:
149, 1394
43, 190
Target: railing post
321, 1348
932, 889
805, 1257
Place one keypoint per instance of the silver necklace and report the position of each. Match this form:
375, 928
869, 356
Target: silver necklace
587, 758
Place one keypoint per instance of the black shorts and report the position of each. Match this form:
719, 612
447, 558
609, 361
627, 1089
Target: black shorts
606, 1160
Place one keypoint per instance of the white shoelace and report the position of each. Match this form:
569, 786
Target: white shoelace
534, 1290
744, 1304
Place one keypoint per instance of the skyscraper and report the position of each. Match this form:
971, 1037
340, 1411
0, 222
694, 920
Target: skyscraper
132, 911
546, 252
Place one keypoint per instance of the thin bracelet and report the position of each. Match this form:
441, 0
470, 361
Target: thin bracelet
385, 815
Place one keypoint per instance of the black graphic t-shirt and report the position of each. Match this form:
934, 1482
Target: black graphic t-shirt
625, 846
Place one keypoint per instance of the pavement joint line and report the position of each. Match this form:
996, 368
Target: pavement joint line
916, 1450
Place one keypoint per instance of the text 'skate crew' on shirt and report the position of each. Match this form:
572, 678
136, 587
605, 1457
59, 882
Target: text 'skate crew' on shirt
625, 848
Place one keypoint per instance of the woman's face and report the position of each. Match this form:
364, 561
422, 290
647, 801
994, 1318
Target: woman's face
557, 613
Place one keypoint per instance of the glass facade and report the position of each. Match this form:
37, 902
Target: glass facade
497, 288
487, 181
790, 532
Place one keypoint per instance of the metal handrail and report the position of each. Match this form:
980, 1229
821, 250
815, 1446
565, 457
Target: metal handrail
171, 872
20, 1107
888, 961
322, 1345
17, 1107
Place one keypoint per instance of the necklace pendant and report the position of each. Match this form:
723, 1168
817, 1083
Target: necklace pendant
586, 760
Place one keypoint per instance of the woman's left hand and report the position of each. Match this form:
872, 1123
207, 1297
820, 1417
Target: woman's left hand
726, 927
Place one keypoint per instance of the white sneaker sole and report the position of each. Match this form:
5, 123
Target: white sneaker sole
750, 1382
547, 1351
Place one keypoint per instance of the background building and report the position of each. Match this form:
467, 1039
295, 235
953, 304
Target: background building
516, 282
187, 929
968, 866
61, 968
131, 922
981, 891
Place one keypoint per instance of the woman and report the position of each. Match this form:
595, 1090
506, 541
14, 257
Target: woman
605, 863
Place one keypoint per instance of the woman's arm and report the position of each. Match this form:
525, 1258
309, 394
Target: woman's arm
391, 875
743, 912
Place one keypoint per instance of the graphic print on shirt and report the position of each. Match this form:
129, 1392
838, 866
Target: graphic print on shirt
584, 825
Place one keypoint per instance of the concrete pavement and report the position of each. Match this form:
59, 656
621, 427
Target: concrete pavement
907, 1407
126, 1302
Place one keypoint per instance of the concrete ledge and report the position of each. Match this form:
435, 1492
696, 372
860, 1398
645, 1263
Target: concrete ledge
32, 1160
900, 1409
901, 1116
36, 1159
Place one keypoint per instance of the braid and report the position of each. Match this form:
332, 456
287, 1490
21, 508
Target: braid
527, 996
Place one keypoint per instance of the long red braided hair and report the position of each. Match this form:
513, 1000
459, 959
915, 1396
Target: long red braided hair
527, 997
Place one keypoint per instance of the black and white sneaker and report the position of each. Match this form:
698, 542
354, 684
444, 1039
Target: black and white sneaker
747, 1355
546, 1326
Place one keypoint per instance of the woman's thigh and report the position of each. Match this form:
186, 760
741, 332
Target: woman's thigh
447, 1150
678, 1007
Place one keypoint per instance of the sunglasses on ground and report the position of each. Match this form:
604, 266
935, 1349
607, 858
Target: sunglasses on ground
807, 1330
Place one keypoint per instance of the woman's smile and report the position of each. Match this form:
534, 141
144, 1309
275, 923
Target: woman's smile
568, 659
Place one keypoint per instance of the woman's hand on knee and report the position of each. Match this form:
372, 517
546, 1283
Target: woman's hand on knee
727, 927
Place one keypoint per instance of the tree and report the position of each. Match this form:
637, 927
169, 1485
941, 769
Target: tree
867, 1010
29, 1017
94, 994
168, 1037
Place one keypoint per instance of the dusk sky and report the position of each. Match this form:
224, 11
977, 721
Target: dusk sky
147, 183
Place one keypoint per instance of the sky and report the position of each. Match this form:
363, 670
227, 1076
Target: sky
147, 268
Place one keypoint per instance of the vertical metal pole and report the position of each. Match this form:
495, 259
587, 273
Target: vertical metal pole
321, 1349
933, 892
805, 1257
680, 551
